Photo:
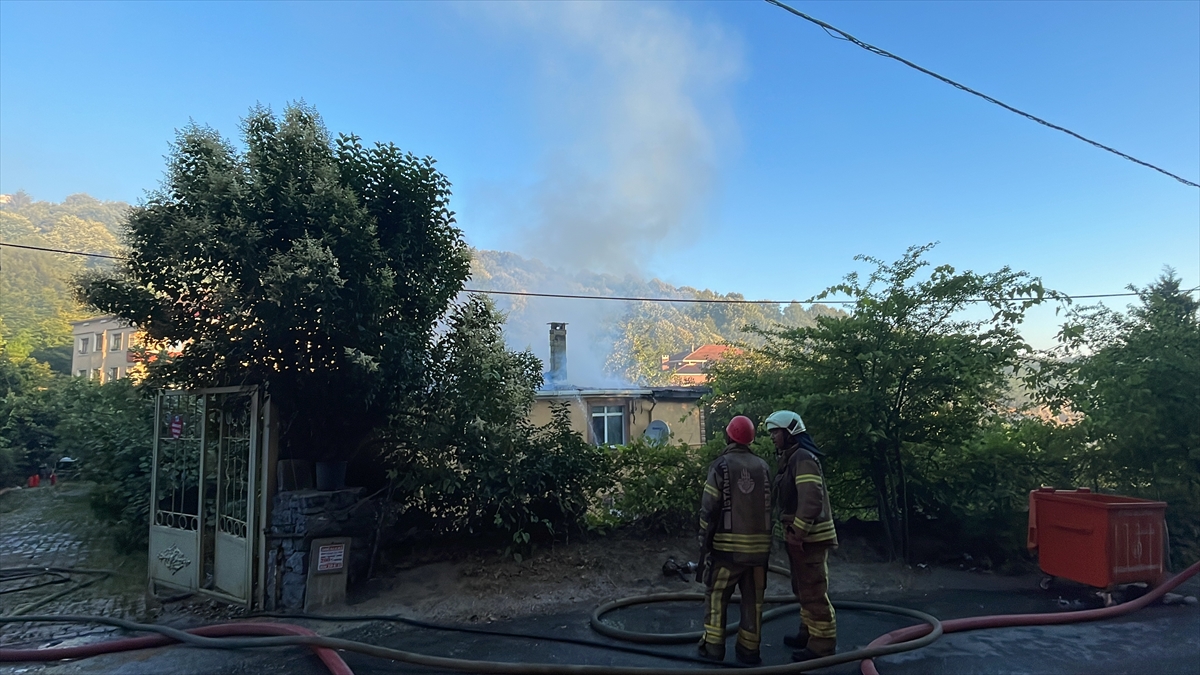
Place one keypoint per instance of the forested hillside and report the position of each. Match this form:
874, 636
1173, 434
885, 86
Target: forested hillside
616, 342
610, 342
36, 298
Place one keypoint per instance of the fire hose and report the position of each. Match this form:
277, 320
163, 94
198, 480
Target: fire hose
895, 642
1013, 620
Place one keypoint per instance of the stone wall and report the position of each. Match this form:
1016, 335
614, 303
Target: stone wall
300, 516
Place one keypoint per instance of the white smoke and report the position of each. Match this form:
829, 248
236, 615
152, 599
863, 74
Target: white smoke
634, 114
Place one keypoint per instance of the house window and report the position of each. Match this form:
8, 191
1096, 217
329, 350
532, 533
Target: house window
114, 373
114, 344
608, 425
84, 343
82, 372
95, 374
99, 342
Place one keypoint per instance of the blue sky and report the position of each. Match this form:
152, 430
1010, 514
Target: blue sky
722, 145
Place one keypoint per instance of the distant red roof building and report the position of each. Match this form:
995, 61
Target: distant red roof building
691, 368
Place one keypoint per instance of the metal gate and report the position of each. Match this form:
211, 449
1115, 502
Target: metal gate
206, 495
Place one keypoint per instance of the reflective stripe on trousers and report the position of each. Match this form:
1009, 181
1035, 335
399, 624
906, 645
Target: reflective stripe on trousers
751, 581
810, 583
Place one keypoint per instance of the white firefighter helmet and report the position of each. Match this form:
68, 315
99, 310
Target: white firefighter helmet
786, 420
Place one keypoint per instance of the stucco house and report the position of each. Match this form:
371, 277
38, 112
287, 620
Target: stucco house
615, 416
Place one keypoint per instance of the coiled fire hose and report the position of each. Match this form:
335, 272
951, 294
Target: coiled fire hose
897, 641
58, 575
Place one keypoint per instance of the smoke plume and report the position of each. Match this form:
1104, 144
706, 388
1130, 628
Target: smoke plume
634, 117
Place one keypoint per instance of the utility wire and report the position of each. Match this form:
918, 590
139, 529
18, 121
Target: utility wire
843, 35
570, 296
59, 250
733, 301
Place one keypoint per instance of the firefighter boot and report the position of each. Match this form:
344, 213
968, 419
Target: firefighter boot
711, 651
797, 641
743, 655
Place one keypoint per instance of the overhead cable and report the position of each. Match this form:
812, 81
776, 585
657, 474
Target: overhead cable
843, 35
625, 298
59, 250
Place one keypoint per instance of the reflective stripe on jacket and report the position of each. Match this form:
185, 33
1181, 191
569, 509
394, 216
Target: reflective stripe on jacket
804, 501
735, 508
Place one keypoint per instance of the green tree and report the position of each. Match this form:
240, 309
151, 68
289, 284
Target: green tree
1135, 376
649, 331
109, 429
316, 266
903, 378
27, 418
478, 465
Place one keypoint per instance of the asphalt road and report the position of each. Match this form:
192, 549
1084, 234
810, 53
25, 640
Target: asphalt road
1159, 640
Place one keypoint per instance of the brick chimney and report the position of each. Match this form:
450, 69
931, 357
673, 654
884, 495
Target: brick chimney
558, 353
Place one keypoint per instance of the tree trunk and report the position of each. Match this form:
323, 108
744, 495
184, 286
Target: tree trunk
879, 478
902, 499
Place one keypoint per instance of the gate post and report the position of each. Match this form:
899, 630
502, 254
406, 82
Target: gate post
268, 455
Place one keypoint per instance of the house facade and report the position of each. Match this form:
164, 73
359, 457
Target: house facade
102, 349
620, 416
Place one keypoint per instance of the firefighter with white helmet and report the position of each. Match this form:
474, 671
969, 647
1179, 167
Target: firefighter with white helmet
810, 534
735, 542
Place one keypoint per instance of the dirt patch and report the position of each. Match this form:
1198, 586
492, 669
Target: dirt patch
439, 583
475, 587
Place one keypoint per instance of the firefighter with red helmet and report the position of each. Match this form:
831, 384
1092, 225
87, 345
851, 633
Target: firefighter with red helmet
810, 534
735, 542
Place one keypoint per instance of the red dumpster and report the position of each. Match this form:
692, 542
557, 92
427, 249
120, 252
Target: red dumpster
1098, 540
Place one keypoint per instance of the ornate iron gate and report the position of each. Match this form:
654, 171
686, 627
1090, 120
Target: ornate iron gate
206, 495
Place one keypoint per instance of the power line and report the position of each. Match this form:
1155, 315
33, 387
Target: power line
734, 301
843, 35
59, 250
571, 296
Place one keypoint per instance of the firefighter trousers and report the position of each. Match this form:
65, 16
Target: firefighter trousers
810, 583
751, 581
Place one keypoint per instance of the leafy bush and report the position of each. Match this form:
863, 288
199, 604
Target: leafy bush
977, 496
108, 429
657, 487
469, 460
513, 492
27, 417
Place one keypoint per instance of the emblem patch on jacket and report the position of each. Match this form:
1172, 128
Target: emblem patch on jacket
745, 482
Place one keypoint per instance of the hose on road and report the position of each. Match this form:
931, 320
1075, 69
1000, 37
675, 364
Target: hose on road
1012, 620
60, 572
897, 641
332, 660
417, 623
197, 639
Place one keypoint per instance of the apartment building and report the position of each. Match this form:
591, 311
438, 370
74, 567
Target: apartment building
102, 348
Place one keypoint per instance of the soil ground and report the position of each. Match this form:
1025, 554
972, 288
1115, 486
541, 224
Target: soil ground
488, 587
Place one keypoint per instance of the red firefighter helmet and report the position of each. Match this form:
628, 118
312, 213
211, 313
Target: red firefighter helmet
740, 430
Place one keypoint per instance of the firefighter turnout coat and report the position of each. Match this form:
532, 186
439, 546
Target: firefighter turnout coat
803, 499
735, 511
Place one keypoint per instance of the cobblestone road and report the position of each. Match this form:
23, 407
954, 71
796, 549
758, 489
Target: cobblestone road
54, 527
